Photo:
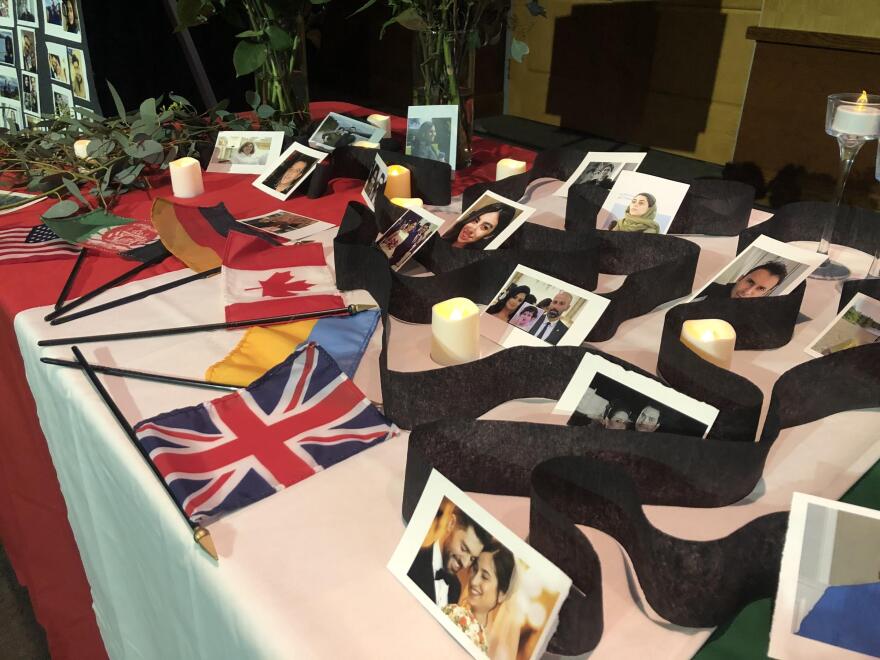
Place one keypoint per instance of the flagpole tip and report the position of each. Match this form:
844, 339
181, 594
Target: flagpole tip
203, 537
360, 307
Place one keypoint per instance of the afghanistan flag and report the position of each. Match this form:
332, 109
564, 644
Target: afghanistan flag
111, 235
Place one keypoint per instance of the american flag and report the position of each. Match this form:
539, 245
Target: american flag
21, 244
302, 416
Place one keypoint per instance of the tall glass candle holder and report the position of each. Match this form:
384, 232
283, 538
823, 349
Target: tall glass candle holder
853, 119
874, 270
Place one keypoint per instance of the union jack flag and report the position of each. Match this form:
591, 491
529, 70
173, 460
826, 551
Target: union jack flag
302, 416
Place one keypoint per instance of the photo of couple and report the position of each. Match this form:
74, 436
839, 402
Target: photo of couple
284, 176
338, 131
641, 203
407, 235
432, 132
601, 168
377, 176
491, 590
487, 223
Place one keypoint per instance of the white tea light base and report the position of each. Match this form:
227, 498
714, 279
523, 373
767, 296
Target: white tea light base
455, 331
508, 167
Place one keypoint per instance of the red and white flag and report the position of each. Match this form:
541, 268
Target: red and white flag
261, 279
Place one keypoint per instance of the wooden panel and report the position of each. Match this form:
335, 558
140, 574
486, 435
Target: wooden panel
853, 17
814, 39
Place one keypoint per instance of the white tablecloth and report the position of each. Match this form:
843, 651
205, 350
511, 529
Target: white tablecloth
302, 573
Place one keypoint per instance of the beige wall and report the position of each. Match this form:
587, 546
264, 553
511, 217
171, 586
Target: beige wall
852, 17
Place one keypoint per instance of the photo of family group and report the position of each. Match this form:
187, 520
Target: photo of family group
857, 324
61, 19
377, 176
292, 225
487, 223
767, 267
245, 152
828, 597
490, 590
604, 393
407, 235
432, 132
534, 309
338, 131
283, 176
641, 203
30, 94
601, 168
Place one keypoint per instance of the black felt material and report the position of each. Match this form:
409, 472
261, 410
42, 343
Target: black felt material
869, 287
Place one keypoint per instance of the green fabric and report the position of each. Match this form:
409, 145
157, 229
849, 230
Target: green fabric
78, 229
748, 635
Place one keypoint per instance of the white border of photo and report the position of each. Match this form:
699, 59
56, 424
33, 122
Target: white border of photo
276, 142
868, 301
622, 158
58, 31
429, 113
270, 169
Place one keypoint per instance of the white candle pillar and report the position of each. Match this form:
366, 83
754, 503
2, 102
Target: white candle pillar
186, 177
711, 339
455, 331
508, 167
81, 149
398, 182
408, 202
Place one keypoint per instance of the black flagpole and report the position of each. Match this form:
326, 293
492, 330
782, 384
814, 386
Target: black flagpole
166, 332
201, 535
68, 284
144, 375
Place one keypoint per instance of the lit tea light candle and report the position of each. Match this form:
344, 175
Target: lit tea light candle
508, 167
81, 149
381, 121
186, 177
711, 339
397, 184
859, 119
455, 331
408, 202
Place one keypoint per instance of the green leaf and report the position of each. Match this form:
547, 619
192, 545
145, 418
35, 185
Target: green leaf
144, 149
100, 148
248, 57
411, 20
179, 99
278, 38
62, 209
120, 108
249, 33
366, 5
148, 109
73, 189
252, 98
518, 49
265, 111
189, 13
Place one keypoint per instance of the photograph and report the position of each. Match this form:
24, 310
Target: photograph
10, 197
9, 84
79, 82
27, 50
767, 267
6, 17
10, 115
63, 100
30, 93
32, 121
7, 49
601, 392
487, 223
493, 592
856, 325
377, 176
601, 168
534, 309
432, 132
828, 598
284, 175
407, 235
58, 66
245, 152
338, 131
641, 203
291, 225
26, 12
61, 19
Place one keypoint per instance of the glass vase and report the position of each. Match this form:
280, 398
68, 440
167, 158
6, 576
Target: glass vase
443, 74
283, 80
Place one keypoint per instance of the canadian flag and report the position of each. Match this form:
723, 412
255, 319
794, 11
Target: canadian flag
261, 279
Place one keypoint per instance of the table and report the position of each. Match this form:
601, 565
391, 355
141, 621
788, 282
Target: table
303, 572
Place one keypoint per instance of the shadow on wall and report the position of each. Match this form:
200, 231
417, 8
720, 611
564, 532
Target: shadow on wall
636, 71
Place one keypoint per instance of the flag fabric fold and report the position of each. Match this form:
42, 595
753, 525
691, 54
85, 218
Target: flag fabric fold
301, 417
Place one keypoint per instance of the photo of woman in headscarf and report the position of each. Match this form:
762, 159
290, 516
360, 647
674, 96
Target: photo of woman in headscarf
639, 216
424, 143
507, 305
477, 229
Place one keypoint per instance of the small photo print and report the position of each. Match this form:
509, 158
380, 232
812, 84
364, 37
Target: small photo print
604, 393
79, 82
377, 176
7, 49
487, 223
338, 131
58, 66
32, 122
432, 132
493, 592
9, 88
407, 235
27, 49
857, 324
61, 19
292, 225
63, 100
534, 309
601, 168
286, 174
641, 203
27, 12
6, 17
245, 152
30, 93
767, 267
828, 597
10, 115
10, 197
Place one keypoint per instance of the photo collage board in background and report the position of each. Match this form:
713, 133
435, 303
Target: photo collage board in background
44, 64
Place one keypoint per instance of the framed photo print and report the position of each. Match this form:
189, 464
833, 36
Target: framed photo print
26, 13
856, 325
407, 235
602, 392
493, 592
432, 132
7, 47
377, 176
338, 130
63, 100
30, 93
487, 223
79, 82
291, 225
7, 19
27, 49
61, 19
641, 203
767, 267
828, 597
245, 152
9, 88
534, 309
601, 168
283, 176
59, 70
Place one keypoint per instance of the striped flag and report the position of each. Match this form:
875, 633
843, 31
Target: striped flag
22, 244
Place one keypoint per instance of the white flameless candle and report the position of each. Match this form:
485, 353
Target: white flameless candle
365, 144
508, 167
381, 121
711, 339
186, 177
397, 184
858, 119
81, 149
455, 331
408, 202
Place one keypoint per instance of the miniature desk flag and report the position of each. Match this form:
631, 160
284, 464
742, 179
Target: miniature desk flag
109, 235
302, 417
21, 244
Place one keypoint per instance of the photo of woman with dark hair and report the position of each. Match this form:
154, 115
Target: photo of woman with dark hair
506, 306
69, 16
287, 174
639, 216
477, 229
424, 143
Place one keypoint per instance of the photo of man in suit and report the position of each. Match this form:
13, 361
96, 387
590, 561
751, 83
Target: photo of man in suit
456, 547
549, 327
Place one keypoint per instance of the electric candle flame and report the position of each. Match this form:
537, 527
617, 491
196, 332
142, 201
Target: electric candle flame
708, 335
862, 100
455, 315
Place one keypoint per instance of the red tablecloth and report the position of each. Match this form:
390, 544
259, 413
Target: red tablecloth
33, 518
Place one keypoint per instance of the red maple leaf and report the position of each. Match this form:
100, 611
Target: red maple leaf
281, 284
